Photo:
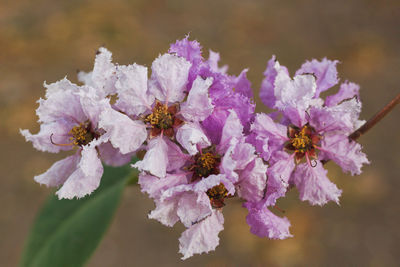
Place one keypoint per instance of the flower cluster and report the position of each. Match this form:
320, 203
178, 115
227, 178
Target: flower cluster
202, 141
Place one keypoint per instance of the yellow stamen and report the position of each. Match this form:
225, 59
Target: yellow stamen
301, 140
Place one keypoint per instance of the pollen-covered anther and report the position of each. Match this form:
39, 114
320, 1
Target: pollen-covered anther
205, 164
217, 194
81, 134
302, 141
163, 119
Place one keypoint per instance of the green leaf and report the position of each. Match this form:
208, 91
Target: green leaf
66, 232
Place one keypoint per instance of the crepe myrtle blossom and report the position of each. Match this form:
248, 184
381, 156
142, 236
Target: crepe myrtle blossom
311, 131
69, 120
197, 185
226, 91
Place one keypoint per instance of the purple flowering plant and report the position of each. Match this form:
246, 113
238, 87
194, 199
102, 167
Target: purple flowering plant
191, 131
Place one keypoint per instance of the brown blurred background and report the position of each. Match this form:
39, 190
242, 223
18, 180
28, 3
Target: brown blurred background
46, 40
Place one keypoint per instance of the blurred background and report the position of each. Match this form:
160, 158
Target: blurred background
45, 40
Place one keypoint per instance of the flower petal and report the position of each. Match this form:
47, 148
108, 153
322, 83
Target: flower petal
252, 181
190, 135
133, 96
113, 156
193, 207
202, 237
233, 128
169, 78
324, 70
347, 90
156, 159
59, 171
198, 105
264, 223
86, 178
314, 186
125, 134
346, 153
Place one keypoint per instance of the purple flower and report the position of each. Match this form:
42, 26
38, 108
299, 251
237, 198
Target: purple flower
201, 179
311, 130
69, 118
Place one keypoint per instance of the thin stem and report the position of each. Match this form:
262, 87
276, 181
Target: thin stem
375, 119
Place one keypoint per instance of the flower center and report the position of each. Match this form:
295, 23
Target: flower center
81, 135
217, 194
205, 164
161, 117
302, 141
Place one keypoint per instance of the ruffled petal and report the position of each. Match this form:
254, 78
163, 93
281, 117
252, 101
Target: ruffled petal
325, 72
346, 153
202, 237
264, 223
59, 171
103, 76
61, 103
86, 178
233, 128
176, 158
125, 134
165, 212
169, 78
156, 159
198, 105
133, 96
252, 181
113, 156
279, 173
242, 85
51, 134
314, 186
267, 92
212, 62
347, 90
297, 93
155, 186
190, 135
191, 51
193, 207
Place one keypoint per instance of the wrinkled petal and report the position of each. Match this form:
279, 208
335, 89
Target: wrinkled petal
325, 72
56, 132
252, 181
212, 62
176, 158
243, 154
61, 102
314, 186
297, 93
233, 128
347, 90
192, 208
125, 134
202, 236
86, 178
346, 153
113, 156
242, 85
280, 170
155, 186
264, 223
267, 92
228, 163
191, 51
190, 135
92, 105
59, 171
156, 159
204, 184
169, 78
343, 117
165, 212
198, 105
133, 96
